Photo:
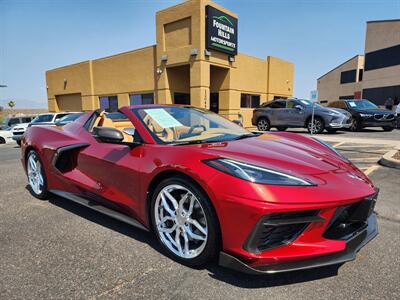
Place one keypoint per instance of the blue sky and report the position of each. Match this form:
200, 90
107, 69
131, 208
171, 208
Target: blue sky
37, 35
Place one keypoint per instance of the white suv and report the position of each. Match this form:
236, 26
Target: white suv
42, 119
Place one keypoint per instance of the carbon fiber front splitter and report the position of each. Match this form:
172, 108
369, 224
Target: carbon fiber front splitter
353, 245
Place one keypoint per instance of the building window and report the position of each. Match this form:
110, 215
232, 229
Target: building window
109, 103
360, 74
138, 99
182, 98
382, 58
380, 94
346, 97
348, 76
249, 101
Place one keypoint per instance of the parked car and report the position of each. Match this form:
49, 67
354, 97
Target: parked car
68, 119
6, 136
366, 114
292, 113
42, 119
397, 113
207, 187
12, 121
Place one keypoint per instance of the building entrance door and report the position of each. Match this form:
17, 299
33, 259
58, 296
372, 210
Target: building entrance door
182, 98
214, 102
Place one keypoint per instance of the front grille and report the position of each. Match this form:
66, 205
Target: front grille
279, 229
389, 117
18, 133
348, 220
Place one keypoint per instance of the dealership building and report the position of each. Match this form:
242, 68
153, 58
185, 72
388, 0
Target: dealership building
195, 61
375, 75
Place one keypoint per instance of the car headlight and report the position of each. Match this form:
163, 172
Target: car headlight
365, 115
331, 148
254, 173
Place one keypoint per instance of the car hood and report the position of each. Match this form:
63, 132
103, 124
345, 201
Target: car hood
374, 111
297, 156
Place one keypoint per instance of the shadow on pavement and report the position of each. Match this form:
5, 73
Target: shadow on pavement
215, 271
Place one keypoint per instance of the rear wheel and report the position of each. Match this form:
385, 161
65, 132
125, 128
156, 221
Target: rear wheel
281, 128
263, 124
36, 176
388, 128
184, 222
315, 127
19, 143
2, 140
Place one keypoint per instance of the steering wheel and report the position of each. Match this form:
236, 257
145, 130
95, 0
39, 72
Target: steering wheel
192, 128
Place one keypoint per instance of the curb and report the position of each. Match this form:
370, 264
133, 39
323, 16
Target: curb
387, 160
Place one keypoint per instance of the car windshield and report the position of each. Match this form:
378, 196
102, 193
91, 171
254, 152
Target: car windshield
308, 102
43, 118
187, 125
361, 104
70, 118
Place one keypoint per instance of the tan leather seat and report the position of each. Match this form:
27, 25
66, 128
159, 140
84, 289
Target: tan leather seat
165, 134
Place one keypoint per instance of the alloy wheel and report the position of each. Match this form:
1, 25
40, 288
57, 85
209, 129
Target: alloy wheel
315, 127
263, 125
180, 221
35, 176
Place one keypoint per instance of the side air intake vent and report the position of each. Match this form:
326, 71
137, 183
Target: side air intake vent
279, 229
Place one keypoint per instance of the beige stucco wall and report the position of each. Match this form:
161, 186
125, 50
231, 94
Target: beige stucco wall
329, 86
382, 35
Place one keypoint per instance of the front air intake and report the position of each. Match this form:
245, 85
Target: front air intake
277, 229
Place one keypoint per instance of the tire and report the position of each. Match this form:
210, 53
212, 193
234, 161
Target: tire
318, 125
388, 128
203, 246
37, 180
355, 125
263, 124
2, 140
331, 130
19, 143
281, 128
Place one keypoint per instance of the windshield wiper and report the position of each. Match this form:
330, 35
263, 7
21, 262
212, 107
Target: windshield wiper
189, 142
245, 136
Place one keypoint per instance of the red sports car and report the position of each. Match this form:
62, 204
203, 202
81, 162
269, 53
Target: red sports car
262, 203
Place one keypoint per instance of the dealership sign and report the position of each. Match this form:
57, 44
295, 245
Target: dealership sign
221, 31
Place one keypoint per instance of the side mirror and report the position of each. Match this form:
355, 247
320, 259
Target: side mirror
107, 134
298, 107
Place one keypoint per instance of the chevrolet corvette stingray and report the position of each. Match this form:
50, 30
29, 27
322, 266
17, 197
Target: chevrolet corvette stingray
208, 188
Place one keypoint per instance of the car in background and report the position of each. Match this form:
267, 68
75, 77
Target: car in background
297, 113
366, 114
397, 114
12, 121
68, 119
42, 119
6, 136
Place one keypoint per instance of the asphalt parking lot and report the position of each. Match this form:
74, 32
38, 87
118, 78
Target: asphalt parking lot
59, 249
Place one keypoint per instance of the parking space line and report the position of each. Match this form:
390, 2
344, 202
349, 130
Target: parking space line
371, 169
339, 144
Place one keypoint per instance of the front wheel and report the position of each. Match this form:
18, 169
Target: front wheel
19, 143
315, 127
2, 140
185, 222
355, 125
388, 128
36, 176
